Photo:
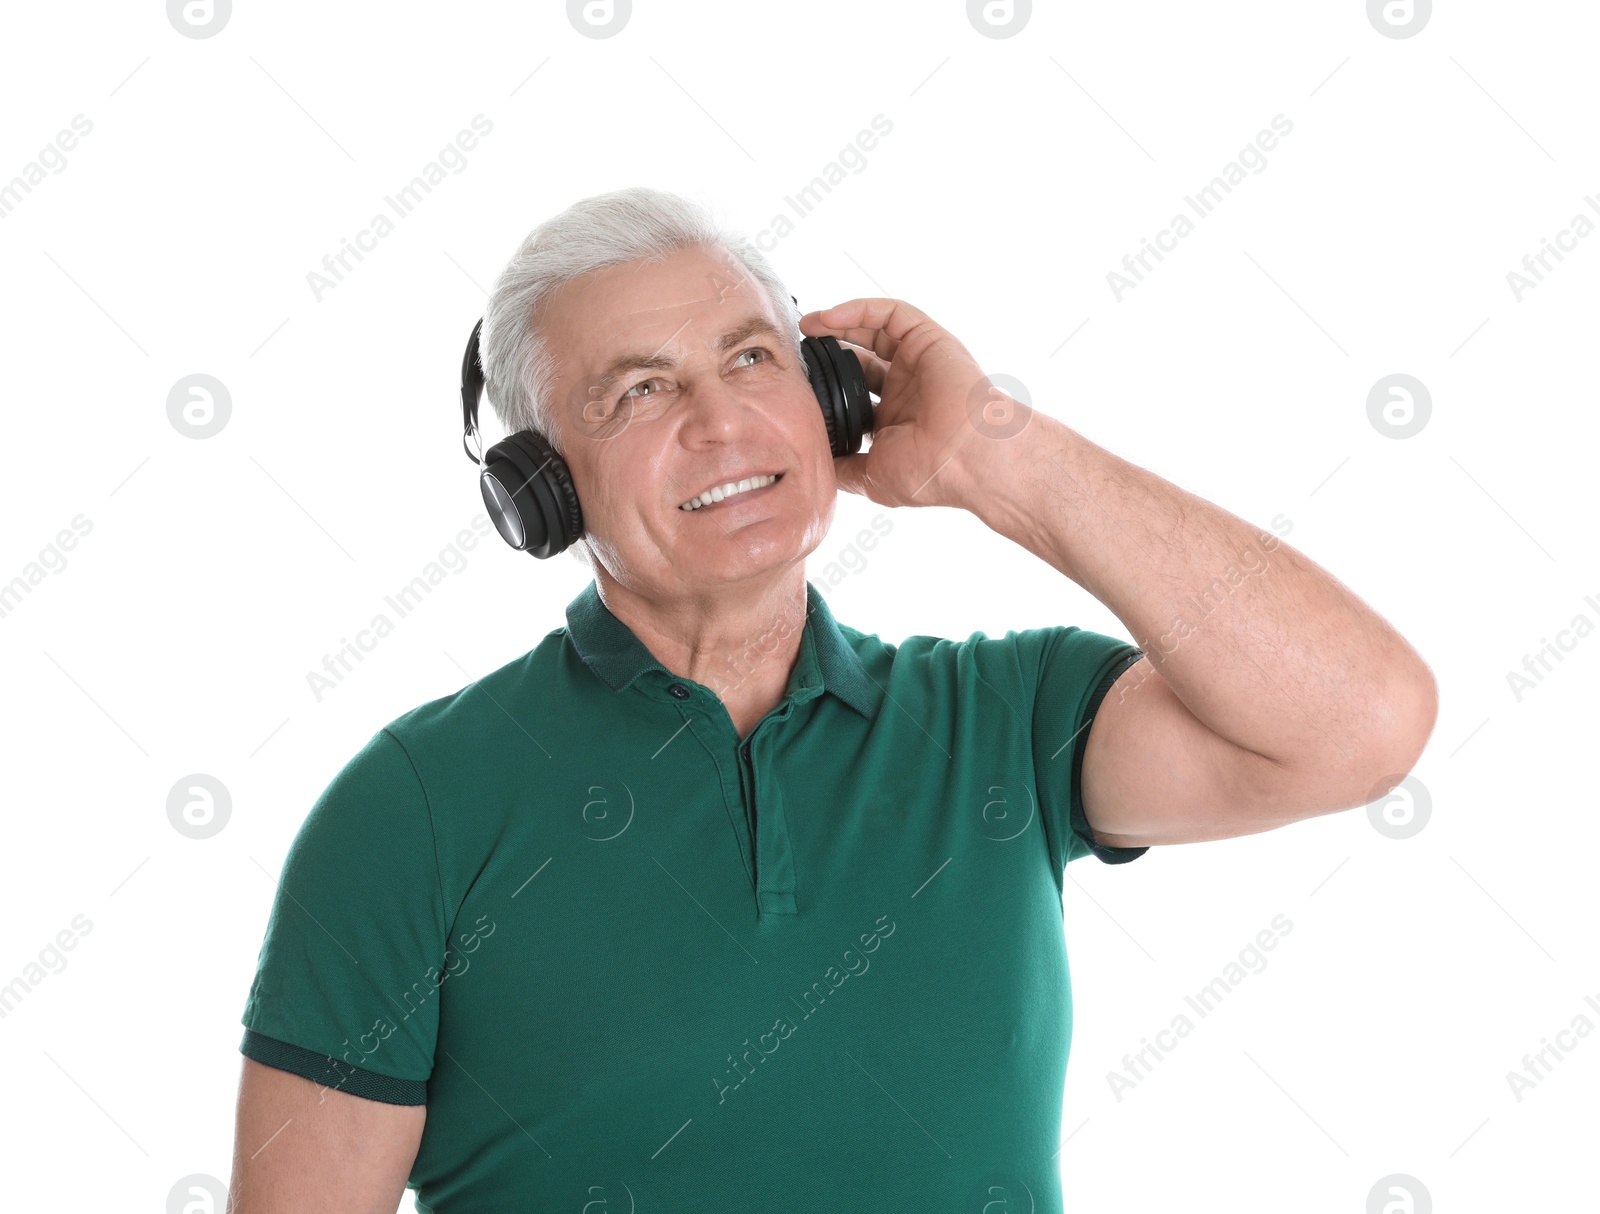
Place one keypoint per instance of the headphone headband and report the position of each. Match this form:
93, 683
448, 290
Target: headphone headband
471, 393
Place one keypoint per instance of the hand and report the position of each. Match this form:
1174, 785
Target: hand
936, 408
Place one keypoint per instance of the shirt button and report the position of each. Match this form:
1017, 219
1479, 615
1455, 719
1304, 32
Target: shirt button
744, 749
679, 690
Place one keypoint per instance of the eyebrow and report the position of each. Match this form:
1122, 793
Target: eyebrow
749, 327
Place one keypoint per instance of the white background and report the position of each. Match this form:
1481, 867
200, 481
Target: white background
178, 637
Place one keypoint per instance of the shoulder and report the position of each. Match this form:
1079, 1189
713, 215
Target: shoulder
1014, 649
1021, 665
466, 744
935, 669
461, 716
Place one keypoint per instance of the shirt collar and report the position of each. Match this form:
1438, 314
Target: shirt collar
610, 649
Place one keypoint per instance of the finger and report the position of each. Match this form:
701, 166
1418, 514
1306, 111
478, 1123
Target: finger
864, 335
878, 324
850, 471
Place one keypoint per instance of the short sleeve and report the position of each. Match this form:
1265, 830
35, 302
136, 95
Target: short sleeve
1076, 669
346, 990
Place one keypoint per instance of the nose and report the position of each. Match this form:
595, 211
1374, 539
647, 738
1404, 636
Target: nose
713, 412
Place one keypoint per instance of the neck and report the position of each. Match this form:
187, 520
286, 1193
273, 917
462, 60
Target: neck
741, 642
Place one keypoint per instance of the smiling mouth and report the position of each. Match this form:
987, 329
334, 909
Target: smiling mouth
731, 490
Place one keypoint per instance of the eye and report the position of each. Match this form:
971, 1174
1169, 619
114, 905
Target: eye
765, 357
642, 384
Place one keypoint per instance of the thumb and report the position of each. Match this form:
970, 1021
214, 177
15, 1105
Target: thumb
851, 473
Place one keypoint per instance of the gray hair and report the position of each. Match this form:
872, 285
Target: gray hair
638, 223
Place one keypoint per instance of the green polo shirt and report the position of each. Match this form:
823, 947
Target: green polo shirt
625, 957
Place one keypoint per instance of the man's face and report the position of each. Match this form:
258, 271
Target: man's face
672, 379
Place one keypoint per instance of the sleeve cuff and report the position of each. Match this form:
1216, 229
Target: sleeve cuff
332, 1072
1080, 822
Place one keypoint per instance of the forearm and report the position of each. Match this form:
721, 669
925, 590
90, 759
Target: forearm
1263, 646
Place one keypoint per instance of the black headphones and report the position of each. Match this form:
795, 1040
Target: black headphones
528, 487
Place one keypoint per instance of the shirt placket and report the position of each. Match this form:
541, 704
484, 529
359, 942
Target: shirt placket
774, 855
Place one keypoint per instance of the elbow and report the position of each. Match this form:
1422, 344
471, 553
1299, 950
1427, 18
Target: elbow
1412, 713
1368, 761
1402, 722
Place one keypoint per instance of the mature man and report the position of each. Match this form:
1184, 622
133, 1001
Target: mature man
710, 902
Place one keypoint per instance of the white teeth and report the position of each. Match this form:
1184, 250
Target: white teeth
719, 492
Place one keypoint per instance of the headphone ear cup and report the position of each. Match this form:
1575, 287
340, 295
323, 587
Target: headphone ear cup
529, 492
822, 386
856, 403
841, 389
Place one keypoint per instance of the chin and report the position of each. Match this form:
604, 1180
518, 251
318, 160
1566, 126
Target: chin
739, 555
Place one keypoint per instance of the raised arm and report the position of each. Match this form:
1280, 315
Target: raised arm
1269, 691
